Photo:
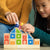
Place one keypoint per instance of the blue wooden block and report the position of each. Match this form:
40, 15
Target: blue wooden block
13, 31
30, 37
12, 36
30, 42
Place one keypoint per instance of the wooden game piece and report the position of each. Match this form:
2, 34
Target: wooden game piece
29, 36
24, 42
12, 41
24, 36
12, 36
18, 36
6, 38
18, 42
30, 42
17, 31
12, 31
6, 42
36, 41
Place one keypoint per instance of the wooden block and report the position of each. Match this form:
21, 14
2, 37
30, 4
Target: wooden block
17, 31
36, 41
12, 31
22, 31
21, 46
24, 36
29, 36
6, 42
30, 42
12, 41
6, 38
6, 35
24, 42
12, 36
18, 36
10, 46
18, 42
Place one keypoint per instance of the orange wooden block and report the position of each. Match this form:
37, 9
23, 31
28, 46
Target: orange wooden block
36, 41
12, 41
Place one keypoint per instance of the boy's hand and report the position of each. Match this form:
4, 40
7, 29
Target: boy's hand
12, 17
28, 28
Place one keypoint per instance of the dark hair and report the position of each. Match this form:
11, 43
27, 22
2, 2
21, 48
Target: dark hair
40, 22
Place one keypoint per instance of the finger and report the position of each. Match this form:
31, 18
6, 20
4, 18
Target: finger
24, 26
13, 19
27, 25
25, 29
16, 17
29, 31
10, 17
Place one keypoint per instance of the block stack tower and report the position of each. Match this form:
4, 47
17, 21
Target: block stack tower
18, 39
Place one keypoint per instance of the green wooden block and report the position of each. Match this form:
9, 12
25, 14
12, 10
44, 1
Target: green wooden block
18, 42
17, 31
18, 36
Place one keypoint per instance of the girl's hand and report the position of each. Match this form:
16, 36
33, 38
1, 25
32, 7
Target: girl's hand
28, 28
12, 17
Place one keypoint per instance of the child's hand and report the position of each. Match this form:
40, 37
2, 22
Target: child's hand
12, 18
28, 28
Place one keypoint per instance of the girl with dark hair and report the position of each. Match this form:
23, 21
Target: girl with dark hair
41, 28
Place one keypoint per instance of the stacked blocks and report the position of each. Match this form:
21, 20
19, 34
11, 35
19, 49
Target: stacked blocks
30, 40
18, 39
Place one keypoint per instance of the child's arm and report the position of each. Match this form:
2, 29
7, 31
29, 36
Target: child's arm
44, 37
37, 33
26, 11
3, 7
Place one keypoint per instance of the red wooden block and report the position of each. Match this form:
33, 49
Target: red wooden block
6, 36
24, 37
6, 39
6, 42
24, 42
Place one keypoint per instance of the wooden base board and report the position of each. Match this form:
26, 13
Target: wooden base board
21, 46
